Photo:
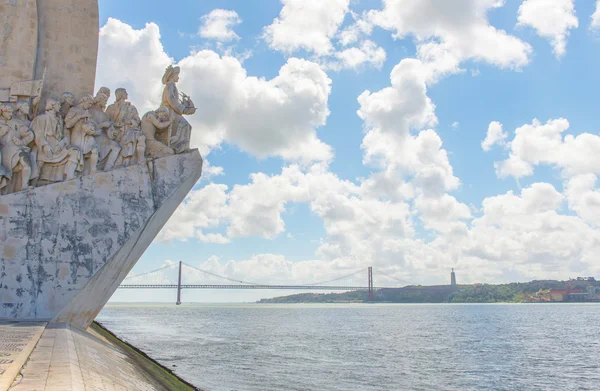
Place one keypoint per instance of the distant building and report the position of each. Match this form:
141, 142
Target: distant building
591, 292
452, 278
558, 294
577, 295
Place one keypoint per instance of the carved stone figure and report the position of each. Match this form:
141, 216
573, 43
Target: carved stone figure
127, 121
57, 160
108, 148
83, 132
155, 127
178, 105
22, 112
105, 91
118, 111
67, 100
15, 151
5, 117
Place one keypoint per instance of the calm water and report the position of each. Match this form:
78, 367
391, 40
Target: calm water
369, 347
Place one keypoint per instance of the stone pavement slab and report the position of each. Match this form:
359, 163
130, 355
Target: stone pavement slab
17, 341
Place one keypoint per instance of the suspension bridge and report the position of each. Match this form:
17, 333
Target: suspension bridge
164, 278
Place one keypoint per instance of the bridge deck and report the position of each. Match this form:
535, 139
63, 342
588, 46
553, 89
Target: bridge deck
232, 286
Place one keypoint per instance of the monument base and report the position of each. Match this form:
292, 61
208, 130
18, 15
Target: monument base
66, 247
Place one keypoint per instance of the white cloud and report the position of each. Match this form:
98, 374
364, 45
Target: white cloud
357, 30
448, 33
202, 209
306, 25
218, 25
495, 136
403, 106
390, 114
276, 117
538, 143
526, 234
455, 124
443, 214
596, 16
256, 208
356, 57
584, 198
551, 19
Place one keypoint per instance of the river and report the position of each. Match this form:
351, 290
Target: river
356, 347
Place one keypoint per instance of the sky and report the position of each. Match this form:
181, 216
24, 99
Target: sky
413, 136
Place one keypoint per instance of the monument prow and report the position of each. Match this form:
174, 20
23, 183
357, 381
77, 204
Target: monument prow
85, 185
66, 247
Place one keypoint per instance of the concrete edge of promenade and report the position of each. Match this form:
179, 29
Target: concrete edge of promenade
163, 375
65, 358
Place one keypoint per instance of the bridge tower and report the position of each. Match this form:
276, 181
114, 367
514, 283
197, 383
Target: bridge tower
179, 286
371, 296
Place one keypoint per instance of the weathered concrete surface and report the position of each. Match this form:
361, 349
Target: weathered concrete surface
17, 341
67, 46
67, 359
18, 41
65, 248
172, 178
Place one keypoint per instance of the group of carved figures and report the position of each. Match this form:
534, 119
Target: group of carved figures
69, 140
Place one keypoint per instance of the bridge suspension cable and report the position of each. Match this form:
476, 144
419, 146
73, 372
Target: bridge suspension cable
222, 277
150, 272
379, 271
336, 279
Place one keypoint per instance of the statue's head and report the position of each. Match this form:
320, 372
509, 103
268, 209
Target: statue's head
121, 94
23, 107
101, 100
67, 98
52, 105
105, 91
6, 111
162, 113
171, 75
86, 101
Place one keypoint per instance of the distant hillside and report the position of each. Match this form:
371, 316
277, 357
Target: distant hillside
478, 293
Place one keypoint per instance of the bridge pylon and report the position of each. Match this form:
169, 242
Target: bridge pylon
371, 295
179, 286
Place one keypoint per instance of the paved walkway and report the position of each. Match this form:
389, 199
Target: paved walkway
17, 341
67, 359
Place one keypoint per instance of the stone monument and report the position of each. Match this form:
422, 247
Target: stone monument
85, 184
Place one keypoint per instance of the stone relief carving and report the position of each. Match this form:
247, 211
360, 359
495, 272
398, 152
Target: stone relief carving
57, 159
83, 131
73, 137
15, 140
109, 149
155, 126
126, 120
